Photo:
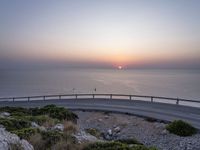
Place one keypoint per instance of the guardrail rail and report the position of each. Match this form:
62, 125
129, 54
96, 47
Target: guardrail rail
93, 96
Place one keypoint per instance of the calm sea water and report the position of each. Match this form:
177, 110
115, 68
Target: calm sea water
169, 83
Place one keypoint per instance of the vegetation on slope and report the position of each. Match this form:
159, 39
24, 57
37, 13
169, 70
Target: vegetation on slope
115, 146
20, 122
181, 128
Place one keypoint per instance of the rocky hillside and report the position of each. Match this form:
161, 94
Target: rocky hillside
56, 128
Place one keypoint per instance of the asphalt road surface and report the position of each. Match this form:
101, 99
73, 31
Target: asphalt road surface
161, 111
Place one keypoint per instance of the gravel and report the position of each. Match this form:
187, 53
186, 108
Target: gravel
125, 126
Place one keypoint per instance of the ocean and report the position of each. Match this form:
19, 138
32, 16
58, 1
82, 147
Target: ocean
168, 83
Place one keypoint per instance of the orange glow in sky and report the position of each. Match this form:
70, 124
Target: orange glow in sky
120, 33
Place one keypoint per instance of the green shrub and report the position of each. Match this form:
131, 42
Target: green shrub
14, 124
129, 141
41, 119
59, 113
115, 146
65, 145
35, 111
153, 148
141, 147
25, 133
51, 137
53, 111
38, 119
20, 123
181, 128
149, 119
94, 132
14, 110
107, 146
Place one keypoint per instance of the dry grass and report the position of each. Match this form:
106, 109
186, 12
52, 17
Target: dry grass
67, 142
66, 145
49, 123
15, 146
37, 142
69, 128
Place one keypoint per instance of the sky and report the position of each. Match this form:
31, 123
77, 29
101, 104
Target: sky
100, 33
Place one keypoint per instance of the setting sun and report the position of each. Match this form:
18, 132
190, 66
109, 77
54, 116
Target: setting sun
119, 67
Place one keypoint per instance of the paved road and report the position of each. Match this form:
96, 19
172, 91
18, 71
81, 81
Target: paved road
167, 112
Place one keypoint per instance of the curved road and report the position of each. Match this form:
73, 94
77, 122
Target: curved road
161, 111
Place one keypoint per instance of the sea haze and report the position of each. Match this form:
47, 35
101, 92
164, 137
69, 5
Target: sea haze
169, 83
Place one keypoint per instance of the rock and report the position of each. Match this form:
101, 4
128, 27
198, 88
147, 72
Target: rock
82, 136
114, 126
7, 139
159, 125
25, 144
34, 125
100, 120
42, 128
117, 129
58, 127
109, 132
5, 114
107, 137
106, 116
164, 132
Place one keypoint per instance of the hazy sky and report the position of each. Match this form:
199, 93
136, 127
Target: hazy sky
131, 33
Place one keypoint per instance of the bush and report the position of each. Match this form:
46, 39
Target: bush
94, 132
14, 124
25, 133
68, 143
20, 123
69, 128
37, 141
115, 146
15, 110
41, 119
51, 137
141, 147
129, 141
53, 111
181, 128
149, 119
59, 113
107, 146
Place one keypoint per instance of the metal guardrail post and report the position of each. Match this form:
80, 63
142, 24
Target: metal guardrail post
110, 96
13, 99
44, 98
130, 97
151, 99
59, 97
28, 99
76, 96
177, 101
93, 96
